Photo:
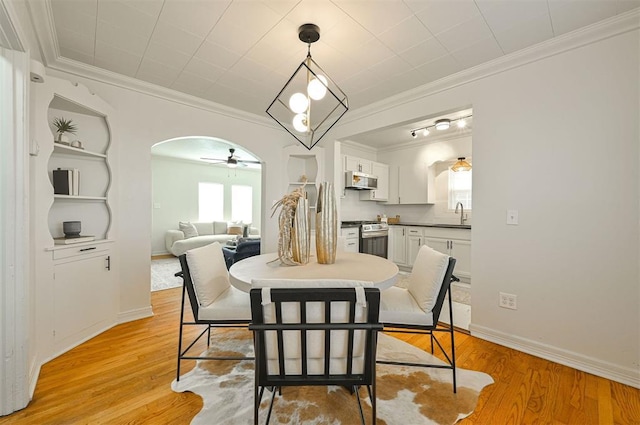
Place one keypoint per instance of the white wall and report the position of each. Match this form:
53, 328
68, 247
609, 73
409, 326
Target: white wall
175, 193
556, 139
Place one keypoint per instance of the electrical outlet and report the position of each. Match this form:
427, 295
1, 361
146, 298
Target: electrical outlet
508, 301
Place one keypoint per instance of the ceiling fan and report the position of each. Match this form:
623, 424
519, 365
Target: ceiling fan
232, 161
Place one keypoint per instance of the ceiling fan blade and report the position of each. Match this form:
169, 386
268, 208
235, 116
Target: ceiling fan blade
248, 161
218, 160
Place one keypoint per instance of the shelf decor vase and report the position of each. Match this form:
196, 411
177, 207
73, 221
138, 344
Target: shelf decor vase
326, 224
301, 232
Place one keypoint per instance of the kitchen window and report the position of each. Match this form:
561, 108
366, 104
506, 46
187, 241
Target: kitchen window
460, 189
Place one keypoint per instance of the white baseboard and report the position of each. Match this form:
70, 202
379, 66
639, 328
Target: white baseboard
131, 315
627, 376
461, 314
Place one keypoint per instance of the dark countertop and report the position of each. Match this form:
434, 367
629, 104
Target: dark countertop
445, 226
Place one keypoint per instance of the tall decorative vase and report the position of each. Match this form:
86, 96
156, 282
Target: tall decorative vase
326, 225
301, 232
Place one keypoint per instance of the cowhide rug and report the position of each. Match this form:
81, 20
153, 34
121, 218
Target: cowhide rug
405, 395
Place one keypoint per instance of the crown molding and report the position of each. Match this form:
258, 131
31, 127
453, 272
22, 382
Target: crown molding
616, 25
422, 142
11, 34
359, 146
42, 18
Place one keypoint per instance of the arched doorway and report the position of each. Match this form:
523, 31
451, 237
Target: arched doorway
198, 180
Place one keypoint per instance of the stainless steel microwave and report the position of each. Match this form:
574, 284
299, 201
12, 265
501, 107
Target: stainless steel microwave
357, 180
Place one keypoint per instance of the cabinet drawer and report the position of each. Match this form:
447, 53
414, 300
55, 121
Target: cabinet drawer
351, 232
437, 232
85, 249
414, 231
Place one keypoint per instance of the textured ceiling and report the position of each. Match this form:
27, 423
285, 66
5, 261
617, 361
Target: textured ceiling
239, 53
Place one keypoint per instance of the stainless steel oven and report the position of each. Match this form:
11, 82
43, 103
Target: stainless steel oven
374, 239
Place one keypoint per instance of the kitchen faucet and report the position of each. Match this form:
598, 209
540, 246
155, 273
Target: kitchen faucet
462, 217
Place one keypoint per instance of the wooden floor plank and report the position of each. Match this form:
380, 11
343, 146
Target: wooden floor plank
123, 376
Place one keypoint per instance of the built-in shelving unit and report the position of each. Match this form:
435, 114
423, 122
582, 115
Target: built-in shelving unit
303, 164
76, 286
90, 206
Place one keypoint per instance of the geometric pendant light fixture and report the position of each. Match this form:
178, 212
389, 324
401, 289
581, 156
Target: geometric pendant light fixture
310, 103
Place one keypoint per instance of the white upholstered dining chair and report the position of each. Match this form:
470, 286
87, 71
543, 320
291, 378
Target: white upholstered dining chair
415, 307
314, 333
214, 302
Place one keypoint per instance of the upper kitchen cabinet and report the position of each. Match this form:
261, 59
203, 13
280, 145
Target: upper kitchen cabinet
411, 184
381, 171
352, 163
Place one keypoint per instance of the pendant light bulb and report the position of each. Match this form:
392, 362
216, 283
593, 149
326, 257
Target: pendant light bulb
298, 103
317, 87
300, 123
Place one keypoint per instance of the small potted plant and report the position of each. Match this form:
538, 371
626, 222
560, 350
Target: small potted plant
64, 126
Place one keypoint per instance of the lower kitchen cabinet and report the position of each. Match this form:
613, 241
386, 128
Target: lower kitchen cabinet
414, 242
453, 242
397, 250
351, 237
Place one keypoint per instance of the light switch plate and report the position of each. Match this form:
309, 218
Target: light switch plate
512, 217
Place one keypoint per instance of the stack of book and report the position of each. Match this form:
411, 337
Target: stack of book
66, 182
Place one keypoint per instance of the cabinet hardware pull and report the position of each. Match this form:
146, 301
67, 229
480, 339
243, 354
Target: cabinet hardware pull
109, 263
88, 249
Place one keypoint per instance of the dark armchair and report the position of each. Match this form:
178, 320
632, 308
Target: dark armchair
245, 248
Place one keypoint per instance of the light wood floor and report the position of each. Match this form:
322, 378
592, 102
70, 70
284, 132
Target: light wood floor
123, 376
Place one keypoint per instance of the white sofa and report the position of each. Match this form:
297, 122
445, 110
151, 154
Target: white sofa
208, 232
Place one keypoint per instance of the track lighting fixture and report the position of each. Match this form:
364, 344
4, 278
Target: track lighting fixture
440, 125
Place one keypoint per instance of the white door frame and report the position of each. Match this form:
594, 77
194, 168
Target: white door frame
14, 231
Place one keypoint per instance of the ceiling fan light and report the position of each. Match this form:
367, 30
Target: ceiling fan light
462, 123
443, 124
461, 165
317, 87
298, 103
425, 132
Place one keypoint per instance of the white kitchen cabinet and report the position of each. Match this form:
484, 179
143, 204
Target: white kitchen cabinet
415, 239
411, 184
351, 238
453, 242
353, 163
381, 171
397, 251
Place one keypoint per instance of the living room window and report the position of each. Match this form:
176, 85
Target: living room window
242, 203
460, 189
210, 201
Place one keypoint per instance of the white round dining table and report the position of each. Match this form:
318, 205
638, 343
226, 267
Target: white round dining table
348, 266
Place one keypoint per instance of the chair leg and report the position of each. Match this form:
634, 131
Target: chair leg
453, 346
257, 398
180, 333
355, 390
273, 397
